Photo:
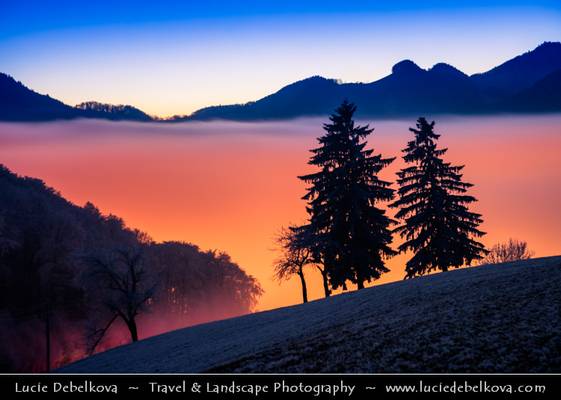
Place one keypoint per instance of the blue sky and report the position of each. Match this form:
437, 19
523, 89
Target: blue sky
174, 57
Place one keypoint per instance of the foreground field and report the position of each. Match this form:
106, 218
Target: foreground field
501, 318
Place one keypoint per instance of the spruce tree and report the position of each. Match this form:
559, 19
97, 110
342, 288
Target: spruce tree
437, 224
347, 232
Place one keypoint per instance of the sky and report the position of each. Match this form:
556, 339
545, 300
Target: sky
173, 57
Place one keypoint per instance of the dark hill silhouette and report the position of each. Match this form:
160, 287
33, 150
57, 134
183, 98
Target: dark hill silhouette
44, 239
113, 112
521, 72
311, 96
411, 90
408, 91
19, 103
543, 96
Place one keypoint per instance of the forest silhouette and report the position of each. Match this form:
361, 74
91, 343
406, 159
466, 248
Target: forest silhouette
75, 281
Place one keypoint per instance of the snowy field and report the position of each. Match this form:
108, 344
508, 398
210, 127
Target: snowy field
501, 318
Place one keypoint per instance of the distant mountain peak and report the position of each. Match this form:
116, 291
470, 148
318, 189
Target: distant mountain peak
406, 67
549, 46
444, 68
545, 51
314, 80
317, 78
521, 72
409, 90
8, 78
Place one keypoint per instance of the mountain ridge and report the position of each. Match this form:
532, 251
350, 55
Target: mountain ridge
18, 103
411, 91
408, 90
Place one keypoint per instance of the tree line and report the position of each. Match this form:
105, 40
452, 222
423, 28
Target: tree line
74, 281
348, 234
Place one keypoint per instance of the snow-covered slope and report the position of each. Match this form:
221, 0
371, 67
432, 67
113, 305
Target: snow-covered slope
491, 318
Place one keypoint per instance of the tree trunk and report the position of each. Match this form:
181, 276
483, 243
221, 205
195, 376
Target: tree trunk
326, 289
48, 338
304, 288
360, 284
131, 324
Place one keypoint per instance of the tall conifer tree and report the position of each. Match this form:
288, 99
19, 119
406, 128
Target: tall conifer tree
347, 232
437, 224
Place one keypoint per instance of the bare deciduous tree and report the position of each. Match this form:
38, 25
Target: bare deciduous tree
292, 260
513, 250
126, 286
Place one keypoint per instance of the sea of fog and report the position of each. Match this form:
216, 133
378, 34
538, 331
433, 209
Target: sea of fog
231, 186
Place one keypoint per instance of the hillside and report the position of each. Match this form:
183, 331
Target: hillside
489, 318
521, 72
19, 103
543, 96
47, 245
118, 112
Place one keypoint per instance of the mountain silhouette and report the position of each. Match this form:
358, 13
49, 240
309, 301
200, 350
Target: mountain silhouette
19, 103
410, 90
311, 96
543, 96
521, 72
526, 83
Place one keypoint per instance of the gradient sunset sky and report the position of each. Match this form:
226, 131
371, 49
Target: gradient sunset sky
173, 57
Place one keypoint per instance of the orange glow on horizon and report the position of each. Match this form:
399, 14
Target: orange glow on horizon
231, 186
